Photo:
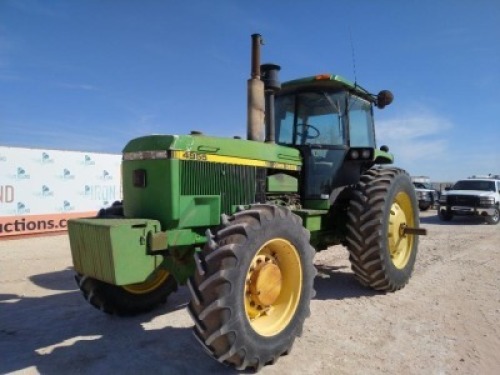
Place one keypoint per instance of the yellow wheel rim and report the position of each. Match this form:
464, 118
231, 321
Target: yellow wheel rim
400, 244
273, 287
152, 283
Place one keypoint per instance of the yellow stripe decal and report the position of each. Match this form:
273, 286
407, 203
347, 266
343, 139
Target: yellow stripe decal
196, 156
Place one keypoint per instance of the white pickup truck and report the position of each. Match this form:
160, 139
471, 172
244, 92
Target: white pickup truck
427, 197
473, 196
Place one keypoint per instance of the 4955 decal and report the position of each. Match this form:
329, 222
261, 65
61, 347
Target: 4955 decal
213, 158
189, 155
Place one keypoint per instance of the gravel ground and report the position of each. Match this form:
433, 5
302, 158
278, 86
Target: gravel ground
445, 321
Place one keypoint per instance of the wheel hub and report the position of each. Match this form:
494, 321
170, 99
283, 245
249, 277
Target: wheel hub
400, 240
273, 287
265, 284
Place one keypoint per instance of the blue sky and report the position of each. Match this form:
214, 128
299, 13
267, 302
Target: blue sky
91, 75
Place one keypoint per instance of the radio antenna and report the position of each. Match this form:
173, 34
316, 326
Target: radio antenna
353, 58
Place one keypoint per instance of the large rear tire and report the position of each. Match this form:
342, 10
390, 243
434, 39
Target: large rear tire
130, 299
252, 288
382, 256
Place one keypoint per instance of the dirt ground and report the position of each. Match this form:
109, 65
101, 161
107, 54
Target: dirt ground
446, 320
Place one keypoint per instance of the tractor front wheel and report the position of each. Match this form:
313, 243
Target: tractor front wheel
252, 288
381, 251
130, 299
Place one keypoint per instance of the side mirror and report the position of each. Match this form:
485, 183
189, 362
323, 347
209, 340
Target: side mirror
384, 148
447, 188
384, 97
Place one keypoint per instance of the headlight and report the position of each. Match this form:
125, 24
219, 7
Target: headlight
442, 199
486, 201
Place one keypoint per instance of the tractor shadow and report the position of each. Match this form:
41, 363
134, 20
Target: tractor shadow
338, 283
60, 333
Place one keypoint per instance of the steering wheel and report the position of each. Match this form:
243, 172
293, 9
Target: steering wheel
304, 134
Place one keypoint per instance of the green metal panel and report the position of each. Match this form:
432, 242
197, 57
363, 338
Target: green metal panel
382, 157
317, 204
199, 211
184, 237
113, 250
159, 199
222, 147
312, 219
282, 183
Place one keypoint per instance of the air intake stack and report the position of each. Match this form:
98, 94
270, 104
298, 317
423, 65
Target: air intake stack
271, 86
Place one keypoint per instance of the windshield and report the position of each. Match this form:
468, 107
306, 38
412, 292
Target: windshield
311, 118
475, 185
321, 118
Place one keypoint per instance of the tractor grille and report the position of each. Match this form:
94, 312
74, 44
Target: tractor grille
234, 183
463, 200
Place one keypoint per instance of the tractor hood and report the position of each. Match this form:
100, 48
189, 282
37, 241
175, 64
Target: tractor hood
212, 149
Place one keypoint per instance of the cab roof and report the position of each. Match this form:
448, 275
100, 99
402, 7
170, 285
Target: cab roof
327, 80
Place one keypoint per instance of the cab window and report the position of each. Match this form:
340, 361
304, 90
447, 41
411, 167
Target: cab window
361, 133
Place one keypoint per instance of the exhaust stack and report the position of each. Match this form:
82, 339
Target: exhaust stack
255, 95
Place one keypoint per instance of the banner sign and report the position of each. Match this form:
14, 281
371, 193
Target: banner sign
41, 189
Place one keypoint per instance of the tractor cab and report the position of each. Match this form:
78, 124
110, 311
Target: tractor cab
330, 120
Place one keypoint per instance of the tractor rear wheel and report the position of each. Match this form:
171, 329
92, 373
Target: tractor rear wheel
130, 299
382, 254
252, 288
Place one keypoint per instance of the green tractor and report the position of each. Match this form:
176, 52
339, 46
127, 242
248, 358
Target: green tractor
239, 221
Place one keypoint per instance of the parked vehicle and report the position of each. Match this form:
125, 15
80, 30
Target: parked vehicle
427, 196
473, 196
